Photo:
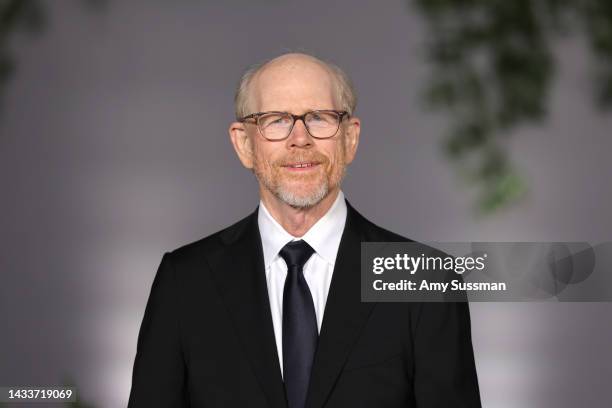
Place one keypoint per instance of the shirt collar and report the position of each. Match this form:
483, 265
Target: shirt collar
324, 236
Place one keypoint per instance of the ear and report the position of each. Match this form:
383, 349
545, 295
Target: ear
242, 143
351, 138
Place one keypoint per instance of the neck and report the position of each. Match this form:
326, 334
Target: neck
297, 221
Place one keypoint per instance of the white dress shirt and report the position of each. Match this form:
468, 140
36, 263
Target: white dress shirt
324, 237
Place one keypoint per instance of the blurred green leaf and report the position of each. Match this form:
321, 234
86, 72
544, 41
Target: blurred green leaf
493, 68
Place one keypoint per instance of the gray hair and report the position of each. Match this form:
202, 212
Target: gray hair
345, 91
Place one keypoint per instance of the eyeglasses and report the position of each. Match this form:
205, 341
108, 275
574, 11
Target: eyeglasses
277, 126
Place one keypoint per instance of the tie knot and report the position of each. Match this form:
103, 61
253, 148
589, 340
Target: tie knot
296, 253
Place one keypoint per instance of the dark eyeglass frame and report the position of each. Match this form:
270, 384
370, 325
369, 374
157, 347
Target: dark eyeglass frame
302, 117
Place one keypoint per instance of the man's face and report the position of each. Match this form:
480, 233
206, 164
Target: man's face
300, 170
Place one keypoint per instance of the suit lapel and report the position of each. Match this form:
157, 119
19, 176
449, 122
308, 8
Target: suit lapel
238, 269
344, 315
239, 272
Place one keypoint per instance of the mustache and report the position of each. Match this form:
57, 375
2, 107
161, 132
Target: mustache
302, 158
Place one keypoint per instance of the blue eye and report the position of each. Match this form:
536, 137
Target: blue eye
322, 118
275, 120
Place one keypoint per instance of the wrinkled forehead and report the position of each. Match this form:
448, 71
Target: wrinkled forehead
293, 84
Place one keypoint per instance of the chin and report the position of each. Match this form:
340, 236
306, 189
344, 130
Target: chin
297, 199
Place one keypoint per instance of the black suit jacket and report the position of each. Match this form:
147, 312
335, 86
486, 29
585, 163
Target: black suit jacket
207, 339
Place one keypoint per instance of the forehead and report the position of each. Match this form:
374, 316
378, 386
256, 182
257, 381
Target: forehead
294, 85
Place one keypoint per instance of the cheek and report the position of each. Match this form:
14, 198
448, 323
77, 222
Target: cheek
262, 158
336, 155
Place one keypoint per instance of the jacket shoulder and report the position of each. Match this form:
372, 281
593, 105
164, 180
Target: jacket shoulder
372, 232
216, 241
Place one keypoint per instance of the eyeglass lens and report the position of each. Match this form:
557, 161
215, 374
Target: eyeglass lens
318, 124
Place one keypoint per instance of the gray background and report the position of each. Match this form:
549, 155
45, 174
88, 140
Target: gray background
114, 149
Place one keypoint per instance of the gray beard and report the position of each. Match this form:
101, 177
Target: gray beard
301, 202
292, 199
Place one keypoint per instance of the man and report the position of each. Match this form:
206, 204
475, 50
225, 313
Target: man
267, 312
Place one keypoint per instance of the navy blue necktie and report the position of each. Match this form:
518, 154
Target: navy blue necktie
300, 334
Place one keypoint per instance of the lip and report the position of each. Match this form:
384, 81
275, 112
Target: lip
301, 166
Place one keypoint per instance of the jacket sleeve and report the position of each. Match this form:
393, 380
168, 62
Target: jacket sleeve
159, 378
444, 367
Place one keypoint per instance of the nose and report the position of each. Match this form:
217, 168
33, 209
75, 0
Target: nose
299, 136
